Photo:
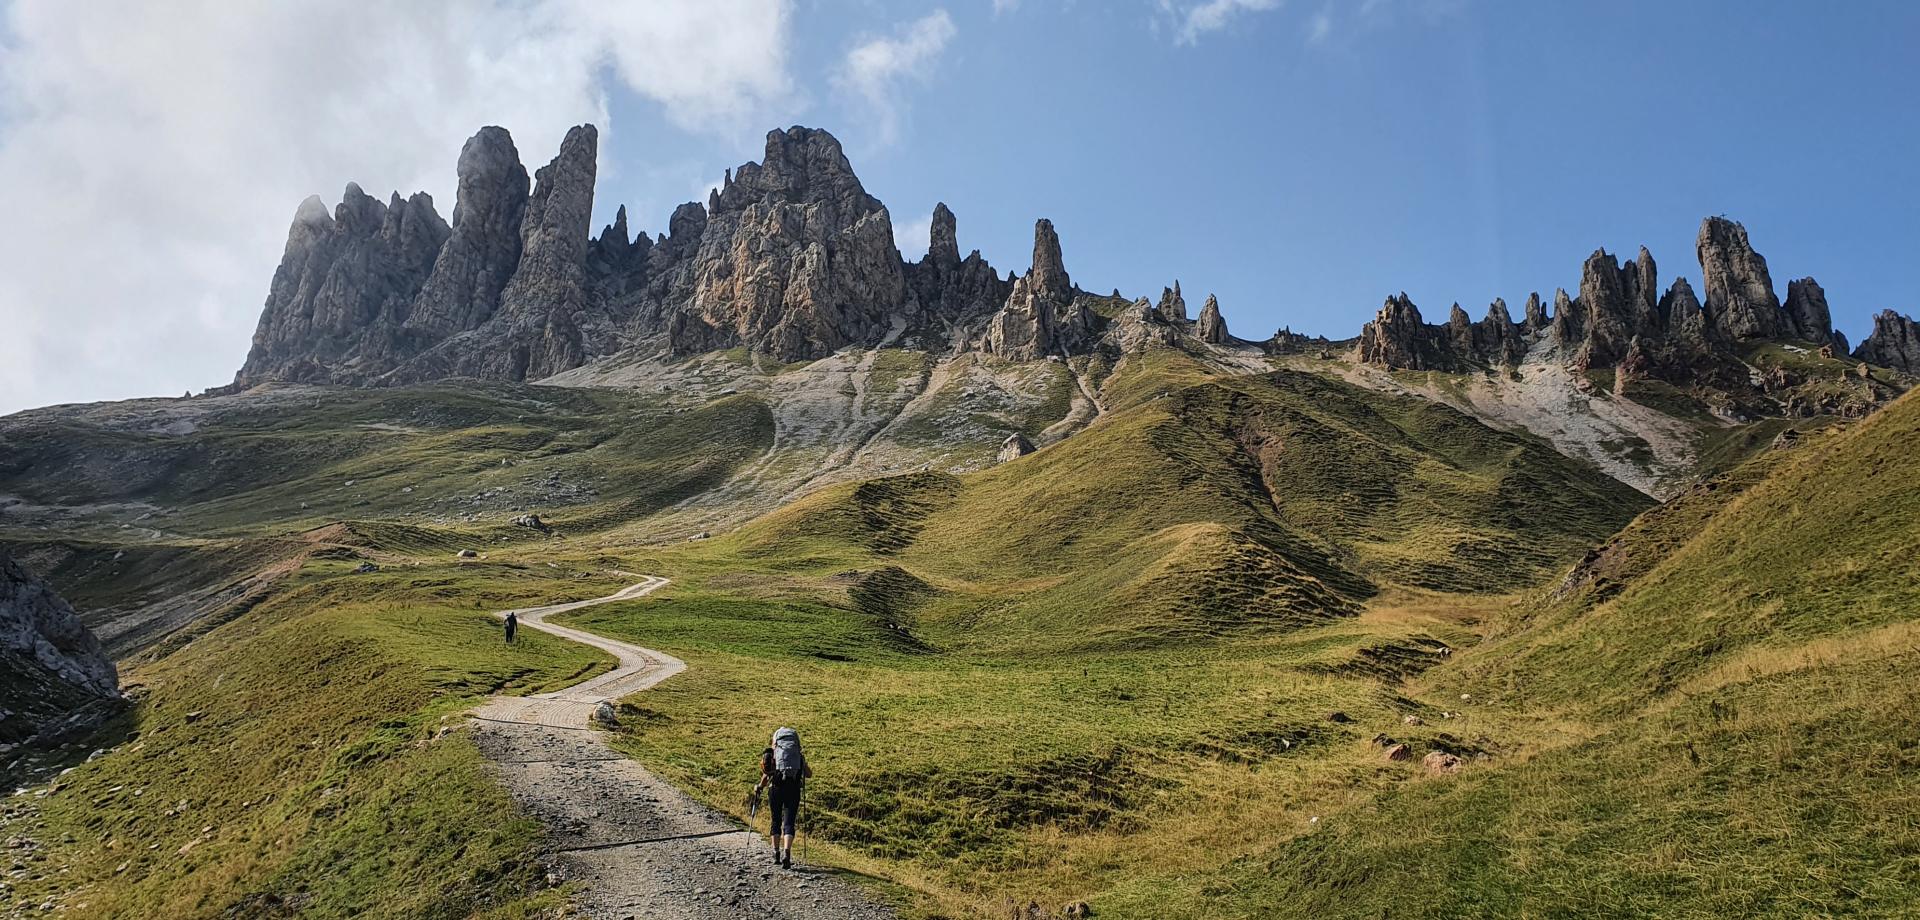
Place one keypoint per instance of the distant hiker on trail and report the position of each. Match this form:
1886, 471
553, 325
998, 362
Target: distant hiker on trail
513, 625
783, 771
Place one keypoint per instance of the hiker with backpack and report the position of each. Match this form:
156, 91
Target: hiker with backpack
783, 772
513, 625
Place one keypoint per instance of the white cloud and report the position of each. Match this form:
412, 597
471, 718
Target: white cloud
1005, 6
875, 68
152, 154
1192, 20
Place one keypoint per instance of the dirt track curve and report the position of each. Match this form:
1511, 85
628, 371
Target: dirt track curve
635, 846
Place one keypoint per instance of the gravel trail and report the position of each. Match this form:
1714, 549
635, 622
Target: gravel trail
636, 846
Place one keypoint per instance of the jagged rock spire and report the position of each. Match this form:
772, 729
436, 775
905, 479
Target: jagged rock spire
345, 282
1894, 342
1567, 326
1173, 307
1211, 327
1740, 299
1807, 311
949, 291
1398, 337
1536, 313
1049, 273
1041, 316
1686, 323
1496, 338
943, 241
483, 248
1617, 302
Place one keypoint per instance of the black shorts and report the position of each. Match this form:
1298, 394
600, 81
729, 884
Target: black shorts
783, 805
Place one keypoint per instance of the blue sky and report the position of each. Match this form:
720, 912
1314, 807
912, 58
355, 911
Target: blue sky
1305, 161
1301, 158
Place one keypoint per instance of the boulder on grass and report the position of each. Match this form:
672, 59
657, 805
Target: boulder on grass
1439, 762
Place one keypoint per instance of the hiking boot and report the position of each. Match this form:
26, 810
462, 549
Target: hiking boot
786, 862
776, 856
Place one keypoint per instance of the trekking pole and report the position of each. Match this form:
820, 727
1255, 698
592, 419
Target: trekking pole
753, 811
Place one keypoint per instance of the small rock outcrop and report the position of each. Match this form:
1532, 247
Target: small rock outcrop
1894, 342
532, 522
56, 678
1437, 763
1014, 447
1140, 325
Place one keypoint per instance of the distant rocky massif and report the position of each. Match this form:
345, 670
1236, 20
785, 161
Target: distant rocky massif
57, 679
792, 259
1621, 321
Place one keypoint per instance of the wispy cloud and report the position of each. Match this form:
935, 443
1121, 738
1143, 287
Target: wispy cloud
1320, 27
1005, 6
875, 69
1193, 20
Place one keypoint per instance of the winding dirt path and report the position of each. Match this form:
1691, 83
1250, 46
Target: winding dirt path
633, 844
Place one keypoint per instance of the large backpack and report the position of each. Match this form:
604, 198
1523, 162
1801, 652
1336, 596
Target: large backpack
788, 762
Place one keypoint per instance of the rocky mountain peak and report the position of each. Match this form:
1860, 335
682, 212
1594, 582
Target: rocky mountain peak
1682, 316
796, 260
947, 290
1622, 321
1616, 303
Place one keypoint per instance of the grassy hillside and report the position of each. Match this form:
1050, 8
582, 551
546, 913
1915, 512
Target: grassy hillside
1736, 671
1071, 675
1106, 671
306, 759
444, 454
1243, 503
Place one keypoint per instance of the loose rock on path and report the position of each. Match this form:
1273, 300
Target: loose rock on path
637, 846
